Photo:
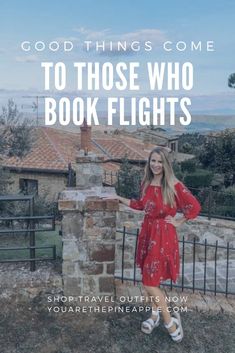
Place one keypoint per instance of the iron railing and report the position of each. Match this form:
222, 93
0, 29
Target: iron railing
71, 178
215, 274
31, 220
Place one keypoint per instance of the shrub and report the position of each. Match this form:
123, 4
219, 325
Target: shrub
199, 179
188, 165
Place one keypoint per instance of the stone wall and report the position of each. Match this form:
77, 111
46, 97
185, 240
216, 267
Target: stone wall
202, 229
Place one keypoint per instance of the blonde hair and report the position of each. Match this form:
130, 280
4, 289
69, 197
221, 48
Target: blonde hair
168, 179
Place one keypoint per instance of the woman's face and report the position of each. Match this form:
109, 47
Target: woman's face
156, 164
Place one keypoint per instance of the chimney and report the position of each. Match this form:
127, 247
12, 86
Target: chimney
85, 137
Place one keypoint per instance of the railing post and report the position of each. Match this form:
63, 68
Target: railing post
209, 202
118, 180
32, 235
205, 266
216, 248
123, 251
194, 262
182, 274
227, 267
54, 252
136, 243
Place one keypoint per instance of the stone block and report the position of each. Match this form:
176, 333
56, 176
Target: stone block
90, 285
112, 205
106, 284
102, 252
72, 225
96, 180
110, 268
83, 250
91, 268
89, 222
68, 268
109, 221
99, 234
72, 286
70, 251
66, 205
81, 181
98, 204
108, 234
89, 159
95, 204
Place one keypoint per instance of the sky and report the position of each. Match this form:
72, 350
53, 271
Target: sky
78, 21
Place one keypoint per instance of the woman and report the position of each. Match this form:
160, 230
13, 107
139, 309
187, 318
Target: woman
158, 249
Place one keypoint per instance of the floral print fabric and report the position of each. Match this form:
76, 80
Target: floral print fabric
158, 248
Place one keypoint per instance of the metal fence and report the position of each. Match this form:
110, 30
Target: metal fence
215, 204
213, 271
31, 225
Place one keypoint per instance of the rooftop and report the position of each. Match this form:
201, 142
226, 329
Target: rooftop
53, 149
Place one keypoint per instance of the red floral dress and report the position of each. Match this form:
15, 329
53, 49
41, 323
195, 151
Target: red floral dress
158, 248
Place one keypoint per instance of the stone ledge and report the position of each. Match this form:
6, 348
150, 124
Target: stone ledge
67, 205
89, 159
98, 204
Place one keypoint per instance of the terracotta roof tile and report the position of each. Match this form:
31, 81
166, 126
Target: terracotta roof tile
53, 149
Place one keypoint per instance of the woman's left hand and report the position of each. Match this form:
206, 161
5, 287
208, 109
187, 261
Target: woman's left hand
176, 222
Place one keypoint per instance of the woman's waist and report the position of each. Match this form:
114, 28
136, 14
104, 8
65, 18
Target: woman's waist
160, 217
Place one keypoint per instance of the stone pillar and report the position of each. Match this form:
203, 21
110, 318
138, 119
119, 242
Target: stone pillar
89, 172
88, 230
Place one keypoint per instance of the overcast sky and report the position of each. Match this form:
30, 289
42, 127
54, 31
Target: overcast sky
155, 21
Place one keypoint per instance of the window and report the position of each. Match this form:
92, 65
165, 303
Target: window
173, 146
29, 186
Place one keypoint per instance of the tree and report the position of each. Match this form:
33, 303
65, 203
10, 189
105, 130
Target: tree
207, 155
15, 138
191, 142
231, 81
218, 155
129, 179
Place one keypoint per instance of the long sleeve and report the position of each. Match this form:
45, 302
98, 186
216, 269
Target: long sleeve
186, 202
136, 204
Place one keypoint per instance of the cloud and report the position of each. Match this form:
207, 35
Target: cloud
61, 40
156, 36
27, 59
90, 34
113, 43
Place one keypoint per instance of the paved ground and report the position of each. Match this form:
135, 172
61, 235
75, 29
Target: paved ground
29, 327
221, 272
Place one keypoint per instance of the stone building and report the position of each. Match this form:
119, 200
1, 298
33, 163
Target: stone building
45, 170
158, 137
